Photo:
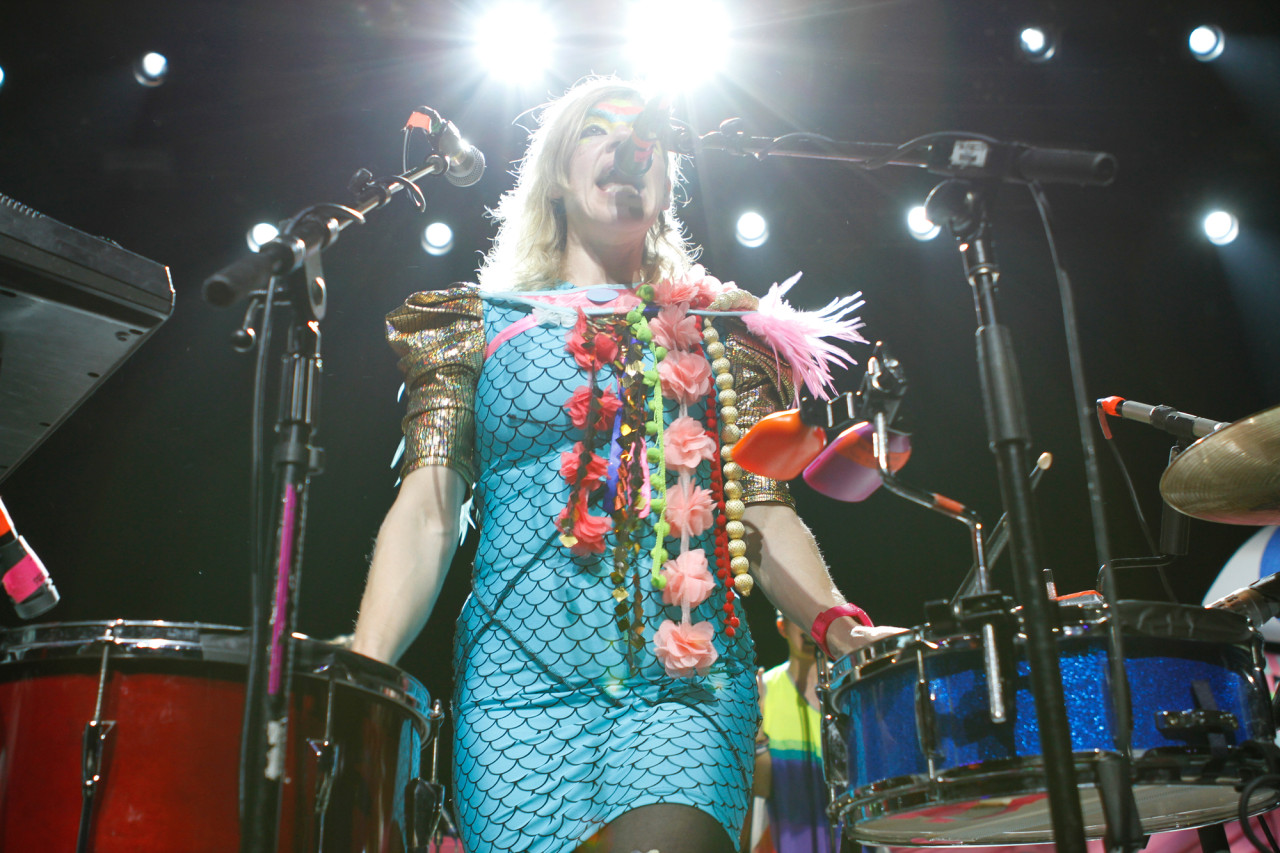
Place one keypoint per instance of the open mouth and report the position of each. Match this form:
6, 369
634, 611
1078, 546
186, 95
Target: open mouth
615, 181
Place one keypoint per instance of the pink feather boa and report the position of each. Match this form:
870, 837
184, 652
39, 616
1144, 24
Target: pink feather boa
797, 337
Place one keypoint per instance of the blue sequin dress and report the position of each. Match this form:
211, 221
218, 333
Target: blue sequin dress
560, 726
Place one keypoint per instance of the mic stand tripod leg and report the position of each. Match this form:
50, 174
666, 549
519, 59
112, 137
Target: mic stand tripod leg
1213, 838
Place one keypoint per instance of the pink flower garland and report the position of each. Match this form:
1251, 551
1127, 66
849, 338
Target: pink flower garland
685, 648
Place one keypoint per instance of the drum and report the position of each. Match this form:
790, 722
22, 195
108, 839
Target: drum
153, 710
927, 766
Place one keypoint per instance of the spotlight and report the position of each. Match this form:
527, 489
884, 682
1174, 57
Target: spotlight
670, 64
1, 76
151, 69
752, 230
514, 42
920, 226
1037, 44
1206, 42
261, 234
1221, 227
437, 239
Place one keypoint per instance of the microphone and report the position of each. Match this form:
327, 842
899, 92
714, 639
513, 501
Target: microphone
1162, 417
25, 578
1257, 602
466, 162
635, 155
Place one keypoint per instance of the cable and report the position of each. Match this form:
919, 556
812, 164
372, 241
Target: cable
1266, 829
1121, 700
258, 545
1269, 779
1155, 561
1133, 496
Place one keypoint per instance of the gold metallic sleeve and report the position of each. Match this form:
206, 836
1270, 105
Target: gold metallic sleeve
764, 386
439, 336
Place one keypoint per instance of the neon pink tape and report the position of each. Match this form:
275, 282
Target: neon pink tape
25, 579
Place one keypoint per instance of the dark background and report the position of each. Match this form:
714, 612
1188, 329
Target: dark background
138, 504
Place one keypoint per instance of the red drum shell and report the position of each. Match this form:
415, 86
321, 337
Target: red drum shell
171, 762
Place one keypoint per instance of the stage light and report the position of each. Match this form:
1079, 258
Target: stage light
752, 229
920, 226
514, 42
261, 234
1221, 227
676, 65
151, 69
1206, 42
1037, 44
437, 239
1, 76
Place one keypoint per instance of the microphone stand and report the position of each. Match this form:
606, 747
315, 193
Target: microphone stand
963, 205
258, 277
954, 154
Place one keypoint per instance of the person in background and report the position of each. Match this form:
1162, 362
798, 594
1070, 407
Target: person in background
788, 770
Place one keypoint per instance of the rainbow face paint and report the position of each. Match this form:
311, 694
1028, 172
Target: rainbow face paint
608, 117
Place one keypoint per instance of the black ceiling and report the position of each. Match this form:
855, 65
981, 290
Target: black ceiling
138, 504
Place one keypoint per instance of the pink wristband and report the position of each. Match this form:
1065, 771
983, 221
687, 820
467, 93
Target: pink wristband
826, 617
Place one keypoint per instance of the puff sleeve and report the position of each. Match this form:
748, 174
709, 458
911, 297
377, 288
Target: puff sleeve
439, 337
763, 385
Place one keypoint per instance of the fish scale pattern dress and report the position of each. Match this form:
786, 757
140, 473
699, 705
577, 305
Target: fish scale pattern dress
560, 726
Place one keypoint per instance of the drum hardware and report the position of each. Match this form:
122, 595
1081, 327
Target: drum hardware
424, 801
1193, 723
881, 391
328, 757
93, 745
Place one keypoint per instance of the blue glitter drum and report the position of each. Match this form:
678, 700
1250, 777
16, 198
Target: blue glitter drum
1198, 699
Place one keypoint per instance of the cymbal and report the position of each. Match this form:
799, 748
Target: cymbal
1232, 475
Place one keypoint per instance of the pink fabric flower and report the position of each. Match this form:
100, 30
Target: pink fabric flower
588, 529
590, 349
674, 328
580, 401
686, 376
686, 444
689, 581
606, 347
688, 509
570, 461
685, 649
694, 287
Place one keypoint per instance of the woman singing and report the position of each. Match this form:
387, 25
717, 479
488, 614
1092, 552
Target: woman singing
590, 391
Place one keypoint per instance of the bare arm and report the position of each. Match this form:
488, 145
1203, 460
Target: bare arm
415, 546
790, 569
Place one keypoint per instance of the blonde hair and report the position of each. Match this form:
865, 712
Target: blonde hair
528, 249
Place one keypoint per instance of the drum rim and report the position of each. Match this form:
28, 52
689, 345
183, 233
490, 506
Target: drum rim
1018, 777
141, 639
847, 670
